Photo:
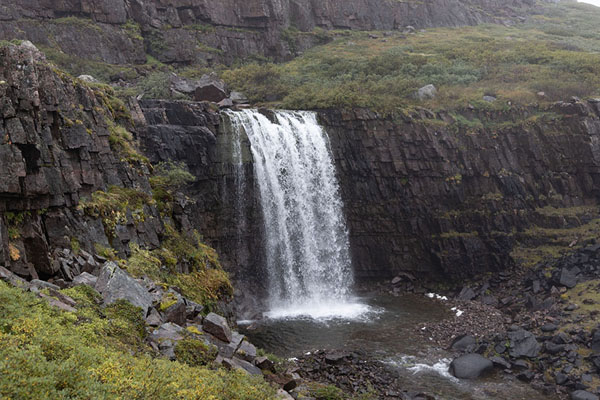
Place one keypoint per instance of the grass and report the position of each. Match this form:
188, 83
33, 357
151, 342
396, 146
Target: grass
539, 243
98, 353
510, 63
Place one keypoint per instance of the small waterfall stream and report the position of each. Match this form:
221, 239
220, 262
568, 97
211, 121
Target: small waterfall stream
308, 258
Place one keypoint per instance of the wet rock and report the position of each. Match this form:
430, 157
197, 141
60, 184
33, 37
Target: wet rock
85, 279
225, 103
336, 357
470, 366
523, 344
238, 98
217, 326
114, 284
583, 395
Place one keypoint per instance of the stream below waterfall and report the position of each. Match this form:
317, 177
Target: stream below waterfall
389, 334
309, 269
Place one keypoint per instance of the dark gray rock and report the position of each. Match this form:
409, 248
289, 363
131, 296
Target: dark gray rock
500, 362
583, 395
114, 284
242, 365
523, 344
264, 363
43, 284
217, 326
247, 351
549, 327
568, 278
464, 343
85, 279
466, 294
470, 366
210, 88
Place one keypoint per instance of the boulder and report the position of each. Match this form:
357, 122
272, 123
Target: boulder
114, 284
264, 363
217, 326
210, 88
595, 344
247, 351
466, 294
168, 331
12, 279
568, 278
489, 99
470, 366
426, 92
523, 344
43, 284
583, 395
464, 343
500, 362
85, 279
87, 78
154, 318
175, 311
242, 365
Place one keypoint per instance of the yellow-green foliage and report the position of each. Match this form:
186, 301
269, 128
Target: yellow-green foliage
121, 141
205, 283
113, 204
195, 352
557, 53
166, 178
50, 354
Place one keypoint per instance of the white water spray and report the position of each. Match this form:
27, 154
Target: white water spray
308, 258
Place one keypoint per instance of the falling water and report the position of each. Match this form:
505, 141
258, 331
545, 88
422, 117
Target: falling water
308, 259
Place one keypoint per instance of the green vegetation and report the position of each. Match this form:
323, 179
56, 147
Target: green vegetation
167, 178
98, 353
195, 352
121, 141
113, 205
206, 281
557, 53
538, 243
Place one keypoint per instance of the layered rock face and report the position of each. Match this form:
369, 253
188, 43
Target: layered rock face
421, 195
425, 198
55, 149
200, 31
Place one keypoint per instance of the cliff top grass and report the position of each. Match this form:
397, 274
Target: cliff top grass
556, 52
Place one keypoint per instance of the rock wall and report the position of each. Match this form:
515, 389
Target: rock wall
436, 199
55, 149
207, 31
421, 194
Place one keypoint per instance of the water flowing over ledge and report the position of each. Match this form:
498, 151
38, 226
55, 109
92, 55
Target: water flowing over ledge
308, 258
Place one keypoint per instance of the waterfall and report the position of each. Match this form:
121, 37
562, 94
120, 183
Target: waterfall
306, 243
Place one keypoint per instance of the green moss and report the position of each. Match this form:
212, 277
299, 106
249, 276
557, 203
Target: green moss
112, 206
49, 354
75, 245
195, 352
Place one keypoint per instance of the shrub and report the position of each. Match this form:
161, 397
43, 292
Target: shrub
50, 354
195, 352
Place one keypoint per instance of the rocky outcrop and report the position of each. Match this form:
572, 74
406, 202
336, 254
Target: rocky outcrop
422, 193
199, 31
56, 150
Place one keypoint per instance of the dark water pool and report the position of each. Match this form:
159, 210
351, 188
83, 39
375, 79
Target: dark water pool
390, 334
